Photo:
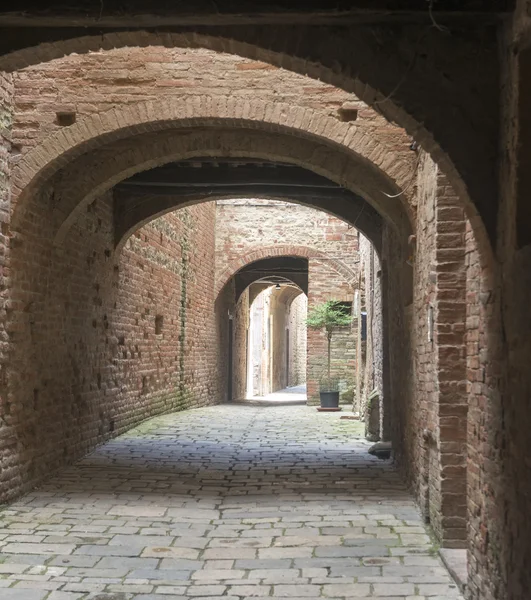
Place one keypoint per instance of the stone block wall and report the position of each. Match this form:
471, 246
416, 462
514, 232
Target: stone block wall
100, 342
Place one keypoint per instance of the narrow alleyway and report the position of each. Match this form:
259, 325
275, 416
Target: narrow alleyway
295, 395
225, 501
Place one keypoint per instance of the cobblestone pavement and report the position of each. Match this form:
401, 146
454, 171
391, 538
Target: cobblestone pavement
226, 502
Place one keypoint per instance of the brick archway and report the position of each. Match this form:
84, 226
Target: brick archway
282, 250
375, 86
99, 131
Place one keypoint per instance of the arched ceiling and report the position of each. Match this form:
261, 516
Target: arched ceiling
273, 270
152, 193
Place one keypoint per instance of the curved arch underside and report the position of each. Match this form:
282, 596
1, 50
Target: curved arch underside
151, 194
272, 269
339, 154
362, 207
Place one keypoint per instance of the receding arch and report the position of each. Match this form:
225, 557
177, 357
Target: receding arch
278, 250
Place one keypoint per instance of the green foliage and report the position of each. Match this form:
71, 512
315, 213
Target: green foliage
329, 384
328, 316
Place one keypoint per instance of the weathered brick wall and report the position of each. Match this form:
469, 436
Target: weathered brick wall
298, 340
99, 344
244, 226
95, 82
499, 347
425, 414
485, 487
436, 417
450, 333
399, 390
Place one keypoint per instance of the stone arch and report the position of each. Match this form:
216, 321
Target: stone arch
376, 87
282, 250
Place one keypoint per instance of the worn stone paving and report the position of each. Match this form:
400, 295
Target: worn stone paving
226, 502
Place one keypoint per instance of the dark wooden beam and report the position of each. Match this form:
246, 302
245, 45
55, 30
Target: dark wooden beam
250, 189
293, 268
171, 180
168, 13
134, 210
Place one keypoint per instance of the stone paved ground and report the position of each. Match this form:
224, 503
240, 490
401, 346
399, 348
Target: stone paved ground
226, 502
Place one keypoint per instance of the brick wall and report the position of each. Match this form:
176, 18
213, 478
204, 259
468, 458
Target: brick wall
102, 342
426, 359
90, 83
435, 416
6, 110
499, 347
450, 332
399, 374
245, 226
485, 426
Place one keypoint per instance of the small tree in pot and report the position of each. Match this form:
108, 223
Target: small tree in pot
329, 316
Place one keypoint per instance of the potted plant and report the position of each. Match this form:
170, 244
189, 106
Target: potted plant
329, 316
